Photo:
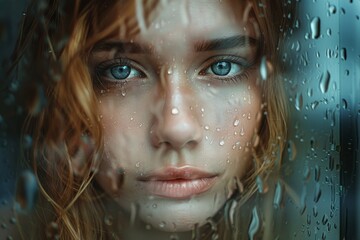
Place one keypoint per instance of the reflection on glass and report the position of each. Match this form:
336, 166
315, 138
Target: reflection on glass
169, 120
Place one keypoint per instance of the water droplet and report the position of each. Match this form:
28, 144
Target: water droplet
222, 142
291, 150
154, 205
242, 132
298, 101
328, 32
331, 163
303, 201
12, 220
343, 54
108, 220
332, 9
162, 224
170, 71
308, 219
26, 191
261, 185
315, 211
206, 127
174, 237
324, 219
249, 116
174, 111
315, 28
137, 164
344, 104
52, 231
324, 82
254, 224
278, 197
232, 209
212, 224
317, 192
297, 46
27, 141
317, 173
236, 122
263, 68
314, 105
3, 226
310, 92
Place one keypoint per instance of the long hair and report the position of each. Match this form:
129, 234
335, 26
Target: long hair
50, 59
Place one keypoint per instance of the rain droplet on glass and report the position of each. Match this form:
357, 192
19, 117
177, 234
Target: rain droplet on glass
343, 54
263, 68
317, 173
254, 226
317, 192
170, 71
174, 111
332, 9
291, 150
298, 101
108, 220
278, 196
52, 231
315, 28
236, 122
26, 191
324, 82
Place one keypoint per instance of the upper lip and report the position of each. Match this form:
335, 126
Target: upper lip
174, 173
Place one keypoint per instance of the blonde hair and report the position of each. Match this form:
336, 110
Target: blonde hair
64, 33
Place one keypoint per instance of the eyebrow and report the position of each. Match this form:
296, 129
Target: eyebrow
225, 43
199, 46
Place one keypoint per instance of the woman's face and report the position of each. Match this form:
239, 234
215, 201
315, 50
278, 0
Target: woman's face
179, 105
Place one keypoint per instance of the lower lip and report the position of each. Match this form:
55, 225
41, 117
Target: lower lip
179, 188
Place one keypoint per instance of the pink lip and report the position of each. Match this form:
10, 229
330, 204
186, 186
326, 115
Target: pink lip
178, 183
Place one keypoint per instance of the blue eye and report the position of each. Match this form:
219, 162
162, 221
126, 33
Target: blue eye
120, 72
224, 68
221, 68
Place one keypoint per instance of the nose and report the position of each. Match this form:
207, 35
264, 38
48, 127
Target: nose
176, 124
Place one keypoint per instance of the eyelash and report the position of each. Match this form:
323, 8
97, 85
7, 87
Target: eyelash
103, 68
243, 64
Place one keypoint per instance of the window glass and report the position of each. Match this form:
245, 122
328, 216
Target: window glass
216, 119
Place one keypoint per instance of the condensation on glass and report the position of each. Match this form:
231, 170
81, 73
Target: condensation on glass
307, 199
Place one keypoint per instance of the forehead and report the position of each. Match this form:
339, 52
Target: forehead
174, 20
199, 18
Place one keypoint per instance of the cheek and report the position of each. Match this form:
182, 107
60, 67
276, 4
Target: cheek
230, 121
124, 129
231, 115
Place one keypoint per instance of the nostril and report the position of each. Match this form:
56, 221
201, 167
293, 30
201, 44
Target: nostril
176, 131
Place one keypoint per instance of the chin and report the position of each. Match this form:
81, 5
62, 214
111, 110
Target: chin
180, 216
178, 223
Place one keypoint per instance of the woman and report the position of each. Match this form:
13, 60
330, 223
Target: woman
153, 119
